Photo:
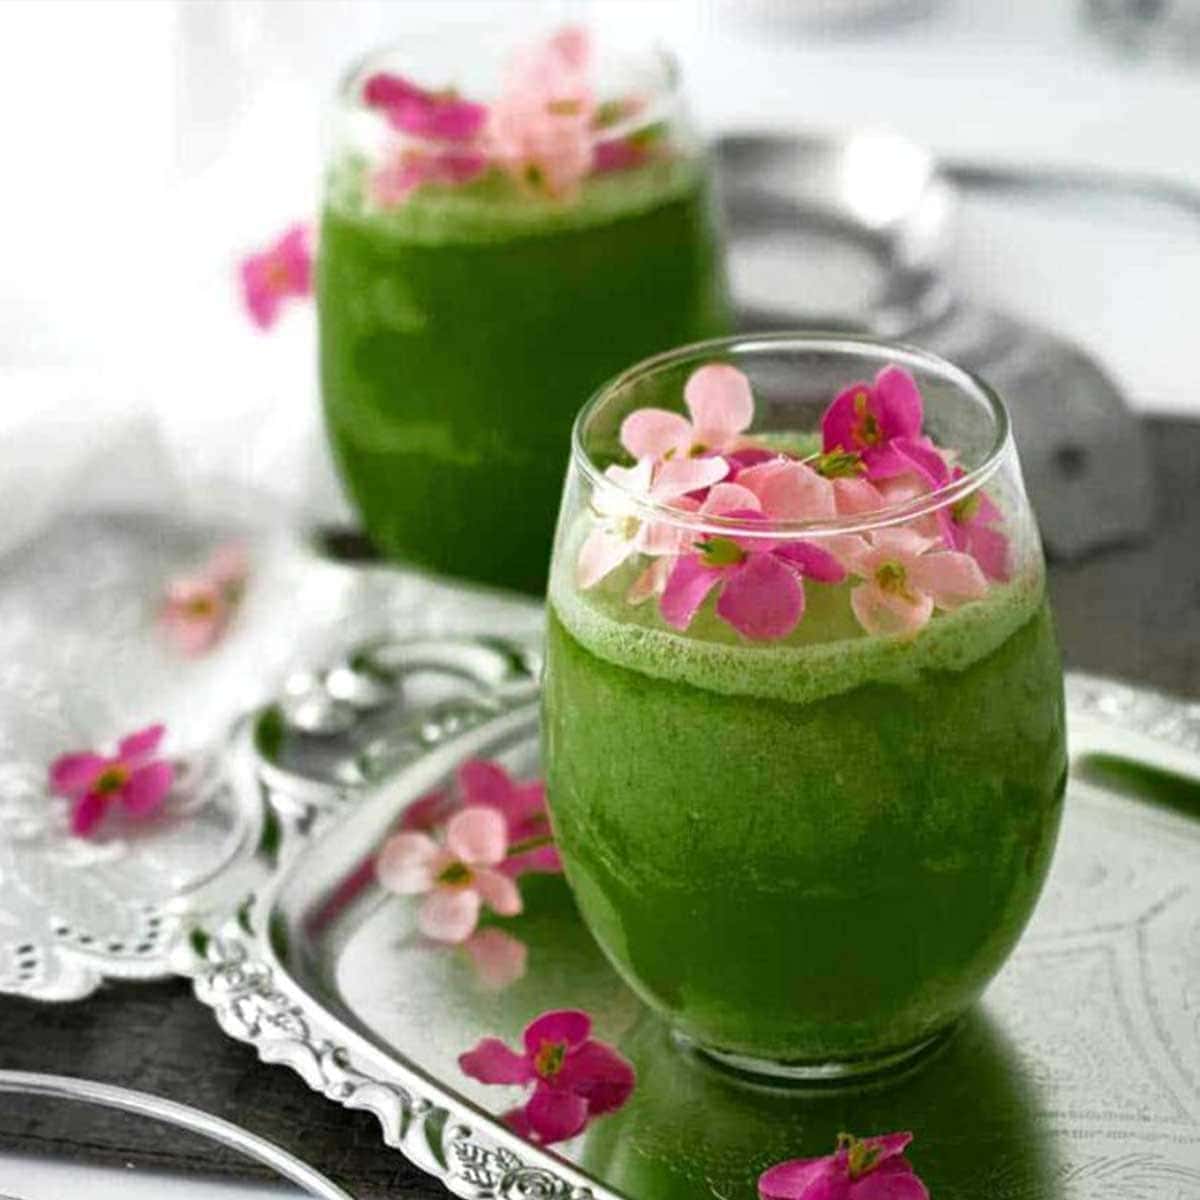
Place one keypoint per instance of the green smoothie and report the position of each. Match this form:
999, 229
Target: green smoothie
459, 332
811, 850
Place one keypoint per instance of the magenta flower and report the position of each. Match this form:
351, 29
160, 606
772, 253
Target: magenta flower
970, 525
281, 272
132, 776
499, 958
872, 1168
523, 806
435, 116
619, 154
413, 167
904, 579
879, 425
199, 606
762, 593
456, 878
575, 1077
721, 403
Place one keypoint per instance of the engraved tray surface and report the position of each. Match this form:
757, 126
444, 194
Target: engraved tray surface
1077, 1077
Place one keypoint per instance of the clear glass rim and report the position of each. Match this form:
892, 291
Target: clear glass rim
662, 103
892, 514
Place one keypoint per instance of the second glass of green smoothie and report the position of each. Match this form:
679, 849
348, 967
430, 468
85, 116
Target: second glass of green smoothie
802, 713
502, 230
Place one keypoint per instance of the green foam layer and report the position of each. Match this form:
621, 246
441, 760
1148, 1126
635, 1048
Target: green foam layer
823, 658
495, 210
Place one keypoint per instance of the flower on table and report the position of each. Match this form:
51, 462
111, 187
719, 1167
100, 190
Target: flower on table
433, 115
721, 405
760, 579
872, 1168
457, 877
970, 525
879, 426
905, 576
132, 777
575, 1077
199, 605
281, 272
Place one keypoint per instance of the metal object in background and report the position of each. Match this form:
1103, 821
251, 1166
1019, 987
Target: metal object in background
1143, 27
155, 1108
852, 234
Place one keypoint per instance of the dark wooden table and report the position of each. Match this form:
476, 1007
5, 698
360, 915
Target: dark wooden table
1132, 612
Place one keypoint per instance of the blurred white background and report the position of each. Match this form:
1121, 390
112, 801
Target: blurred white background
150, 143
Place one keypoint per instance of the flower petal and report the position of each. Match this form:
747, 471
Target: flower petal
555, 1115
687, 588
898, 402
840, 418
900, 541
762, 600
853, 497
883, 614
428, 812
805, 1179
721, 403
499, 960
725, 498
545, 860
491, 1061
650, 582
950, 578
655, 432
137, 747
989, 547
498, 891
889, 1144
595, 1071
449, 914
790, 491
813, 561
477, 835
86, 813
601, 553
569, 1025
74, 774
147, 788
925, 460
482, 781
893, 1179
409, 863
683, 475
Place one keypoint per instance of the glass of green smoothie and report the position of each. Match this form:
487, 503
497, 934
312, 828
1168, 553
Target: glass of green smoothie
803, 714
502, 230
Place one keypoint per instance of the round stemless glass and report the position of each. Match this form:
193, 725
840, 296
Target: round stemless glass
470, 291
809, 848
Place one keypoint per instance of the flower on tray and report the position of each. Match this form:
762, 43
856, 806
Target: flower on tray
457, 877
872, 1168
575, 1077
273, 276
499, 959
199, 605
132, 777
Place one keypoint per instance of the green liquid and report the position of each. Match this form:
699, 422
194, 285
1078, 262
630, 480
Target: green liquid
460, 334
807, 853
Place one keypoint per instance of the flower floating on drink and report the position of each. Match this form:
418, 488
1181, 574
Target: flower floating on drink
546, 132
132, 778
872, 1168
575, 1077
772, 518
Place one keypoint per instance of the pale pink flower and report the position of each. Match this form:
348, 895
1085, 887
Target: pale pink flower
414, 166
132, 776
456, 878
575, 1077
904, 578
199, 606
499, 958
435, 116
788, 490
622, 531
872, 1168
281, 272
721, 405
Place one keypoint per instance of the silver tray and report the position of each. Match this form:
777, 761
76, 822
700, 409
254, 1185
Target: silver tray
1078, 1076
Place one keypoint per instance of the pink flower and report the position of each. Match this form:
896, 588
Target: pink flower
619, 154
430, 812
282, 271
721, 403
523, 806
435, 116
881, 425
457, 878
969, 525
788, 490
905, 579
499, 958
413, 167
133, 776
575, 1077
872, 1168
762, 593
541, 125
199, 606
621, 531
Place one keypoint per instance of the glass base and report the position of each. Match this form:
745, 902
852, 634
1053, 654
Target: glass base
831, 1074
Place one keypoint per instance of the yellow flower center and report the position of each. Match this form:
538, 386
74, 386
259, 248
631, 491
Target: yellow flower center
892, 578
457, 874
549, 1059
111, 779
866, 428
